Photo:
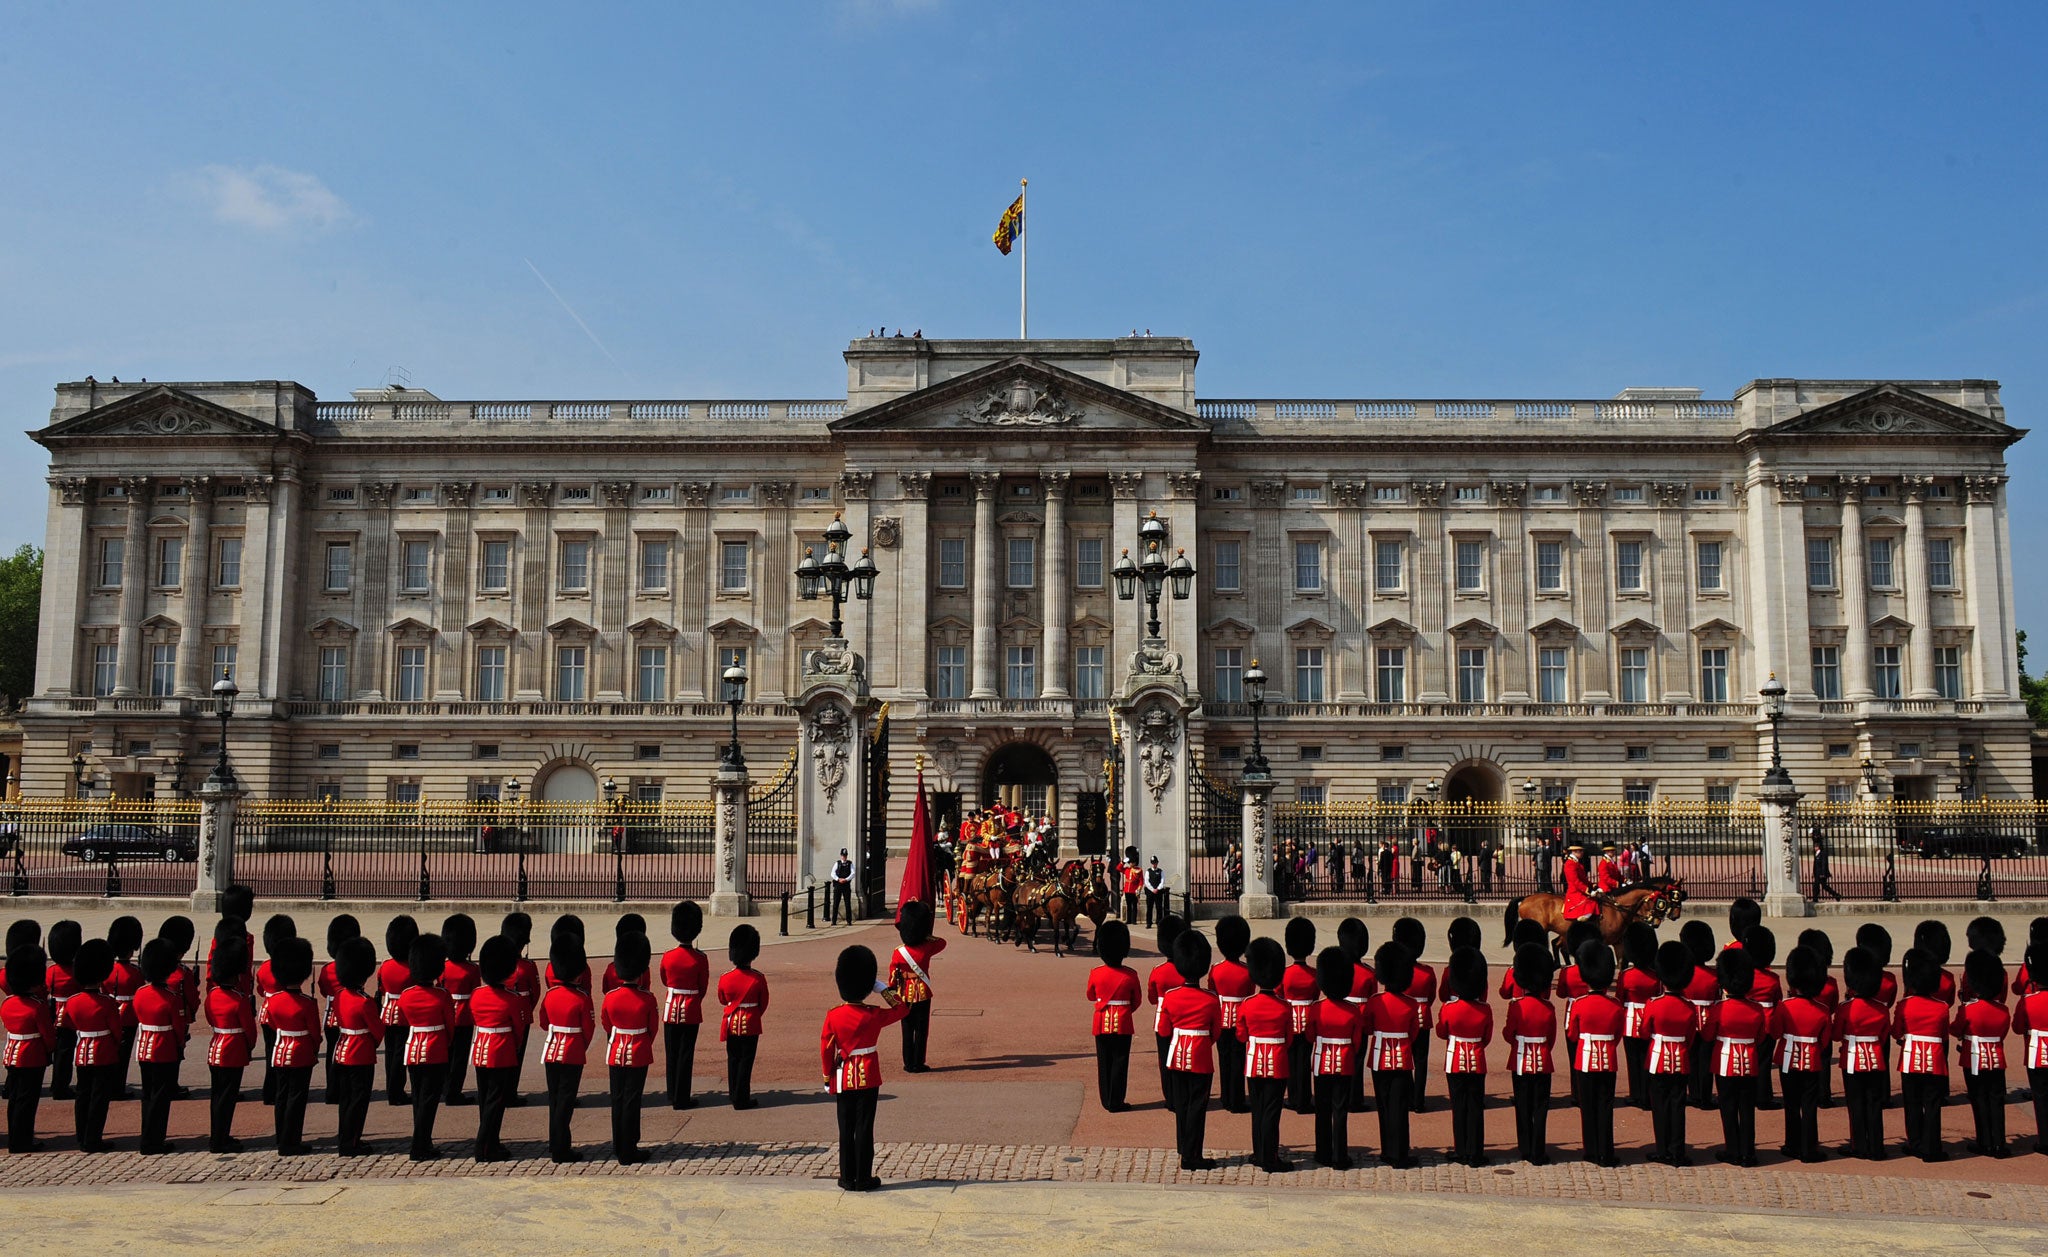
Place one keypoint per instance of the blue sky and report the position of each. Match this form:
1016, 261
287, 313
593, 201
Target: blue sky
1333, 200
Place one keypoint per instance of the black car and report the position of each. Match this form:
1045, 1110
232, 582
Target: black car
1945, 841
108, 843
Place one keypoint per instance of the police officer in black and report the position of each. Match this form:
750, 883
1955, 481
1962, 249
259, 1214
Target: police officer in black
841, 890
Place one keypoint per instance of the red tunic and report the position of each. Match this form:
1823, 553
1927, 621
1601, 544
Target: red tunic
31, 1026
1571, 989
1980, 1027
1530, 1030
1114, 991
248, 949
1390, 1018
266, 986
525, 981
392, 976
1266, 1027
185, 981
1735, 1027
1364, 982
1578, 898
1673, 1027
58, 983
498, 1016
1637, 990
1922, 1025
1766, 990
1163, 978
1945, 987
460, 979
610, 982
428, 1015
328, 983
1607, 875
1703, 992
685, 975
97, 1019
846, 1044
361, 1028
1593, 1028
296, 1018
1194, 1017
910, 969
1862, 1025
743, 993
1339, 1027
566, 1022
233, 1018
1801, 1027
122, 984
1466, 1027
1232, 983
630, 1017
2030, 1019
2023, 982
1299, 987
1422, 989
1887, 989
159, 1024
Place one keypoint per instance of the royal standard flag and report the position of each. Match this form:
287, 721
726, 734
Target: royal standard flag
1011, 227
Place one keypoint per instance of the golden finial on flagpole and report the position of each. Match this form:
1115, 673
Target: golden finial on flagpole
920, 761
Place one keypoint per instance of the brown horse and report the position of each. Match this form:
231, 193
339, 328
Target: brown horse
1658, 900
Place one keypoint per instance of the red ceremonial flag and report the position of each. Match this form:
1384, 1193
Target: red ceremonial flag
917, 869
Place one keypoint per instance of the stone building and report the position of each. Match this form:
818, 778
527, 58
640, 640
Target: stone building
424, 598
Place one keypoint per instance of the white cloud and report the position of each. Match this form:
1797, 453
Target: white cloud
269, 198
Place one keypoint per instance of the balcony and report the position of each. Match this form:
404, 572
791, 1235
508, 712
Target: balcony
1485, 711
523, 708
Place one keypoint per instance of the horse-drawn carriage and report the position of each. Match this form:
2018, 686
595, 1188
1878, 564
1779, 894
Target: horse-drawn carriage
1016, 896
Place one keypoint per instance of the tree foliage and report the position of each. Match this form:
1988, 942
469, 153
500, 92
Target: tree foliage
21, 609
2032, 689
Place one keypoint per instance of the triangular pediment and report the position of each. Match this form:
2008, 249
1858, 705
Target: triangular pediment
809, 625
951, 624
1310, 627
1474, 629
158, 623
333, 626
1716, 628
1391, 629
1890, 411
1891, 624
410, 627
160, 411
1230, 625
1637, 629
731, 629
1092, 624
1019, 395
651, 626
489, 626
570, 626
1555, 629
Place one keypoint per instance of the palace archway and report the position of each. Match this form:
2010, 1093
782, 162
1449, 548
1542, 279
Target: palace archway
1023, 776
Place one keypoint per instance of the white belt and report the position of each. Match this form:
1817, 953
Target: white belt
1116, 1003
616, 1031
345, 1031
300, 1034
494, 1030
1322, 1042
155, 1029
869, 1050
1738, 1042
460, 999
416, 1030
124, 999
1185, 1032
1660, 1039
737, 1007
1855, 1039
1701, 1003
673, 992
1301, 1003
1233, 999
1459, 1038
219, 1030
1527, 1041
21, 1038
1911, 1039
1262, 1041
2035, 1038
94, 1034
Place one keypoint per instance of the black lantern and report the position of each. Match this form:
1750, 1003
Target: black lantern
224, 692
833, 575
1966, 767
1870, 778
179, 767
79, 777
1154, 571
1255, 696
735, 680
1773, 694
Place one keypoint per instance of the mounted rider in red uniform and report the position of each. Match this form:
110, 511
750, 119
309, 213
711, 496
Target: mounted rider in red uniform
1579, 902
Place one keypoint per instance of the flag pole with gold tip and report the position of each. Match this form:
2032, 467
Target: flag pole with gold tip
1023, 266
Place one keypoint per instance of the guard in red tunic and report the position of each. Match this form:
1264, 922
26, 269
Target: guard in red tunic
425, 1013
1466, 1027
1571, 988
1530, 1029
1338, 1025
1920, 1026
392, 978
277, 928
295, 1016
359, 1027
1594, 1030
526, 984
1830, 999
339, 931
179, 932
160, 1029
1299, 987
124, 935
1114, 991
1194, 1017
685, 976
847, 1052
1877, 940
31, 1028
1673, 1031
1607, 873
1163, 978
566, 1022
2027, 979
95, 1021
1863, 1026
1932, 938
1356, 942
1265, 1026
1578, 891
629, 1016
1980, 1026
1390, 1021
910, 975
1735, 1033
1410, 933
2030, 1023
1232, 983
743, 993
1800, 1026
496, 1015
1761, 946
231, 1014
66, 937
1639, 986
1702, 992
459, 977
630, 923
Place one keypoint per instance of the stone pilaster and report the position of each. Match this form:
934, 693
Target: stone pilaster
729, 897
197, 582
1919, 594
134, 585
1258, 900
986, 578
1855, 583
1059, 587
1987, 592
694, 651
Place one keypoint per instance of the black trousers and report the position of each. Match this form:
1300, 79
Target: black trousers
1701, 1085
428, 1081
1766, 1052
1864, 1095
1532, 1117
1668, 1098
1230, 1071
1596, 1115
394, 1064
1737, 1098
1468, 1117
917, 1034
857, 1136
1333, 1120
1637, 1053
680, 1042
1802, 1113
1300, 1083
628, 1082
1130, 912
128, 1034
1112, 1070
1267, 1097
94, 1088
333, 1038
24, 1094
493, 1088
1391, 1090
223, 1093
1921, 1095
352, 1087
840, 896
739, 1067
563, 1082
460, 1040
289, 1108
61, 1058
1157, 905
1164, 1042
159, 1082
1987, 1108
2037, 1079
1188, 1096
269, 1070
1419, 1096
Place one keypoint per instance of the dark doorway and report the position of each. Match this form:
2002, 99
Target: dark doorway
1470, 824
945, 813
1091, 822
1023, 776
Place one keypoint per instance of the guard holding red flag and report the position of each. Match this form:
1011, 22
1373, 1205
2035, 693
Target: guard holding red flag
1594, 1030
1466, 1027
1531, 1030
847, 1051
685, 975
1194, 1016
1113, 989
1801, 1025
1672, 1034
1264, 1026
910, 975
1390, 1019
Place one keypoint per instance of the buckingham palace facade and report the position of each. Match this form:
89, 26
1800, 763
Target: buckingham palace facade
422, 598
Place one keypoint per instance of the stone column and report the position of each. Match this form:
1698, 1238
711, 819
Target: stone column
911, 577
217, 802
257, 561
1258, 899
1349, 578
371, 673
1592, 596
1152, 708
613, 575
134, 585
1127, 619
66, 538
458, 528
831, 764
283, 588
1059, 590
1987, 594
1855, 581
1267, 573
729, 896
1919, 598
693, 647
986, 486
778, 586
197, 581
1782, 895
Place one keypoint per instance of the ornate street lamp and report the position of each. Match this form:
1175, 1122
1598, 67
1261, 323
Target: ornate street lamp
1773, 693
179, 767
517, 833
1255, 695
224, 692
833, 575
611, 808
1153, 571
80, 778
1871, 782
735, 680
1966, 766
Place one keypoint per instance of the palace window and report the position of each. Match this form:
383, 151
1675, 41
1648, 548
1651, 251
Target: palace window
170, 561
1714, 674
1308, 674
1394, 795
1549, 566
333, 674
1088, 562
1827, 672
494, 571
1820, 563
1308, 567
1088, 673
1470, 565
1632, 672
106, 670
651, 683
1551, 675
1637, 792
224, 662
163, 670
732, 567
572, 665
1390, 668
949, 672
1881, 563
1884, 671
1704, 495
1941, 570
1471, 674
113, 561
1023, 565
952, 563
1948, 671
1707, 565
654, 565
1628, 493
1020, 672
1229, 556
417, 567
1229, 674
1628, 566
576, 566
412, 674
341, 567
1387, 566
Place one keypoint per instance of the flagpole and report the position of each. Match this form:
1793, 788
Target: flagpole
1023, 265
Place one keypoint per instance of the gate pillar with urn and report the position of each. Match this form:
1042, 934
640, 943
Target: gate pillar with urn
834, 716
1152, 710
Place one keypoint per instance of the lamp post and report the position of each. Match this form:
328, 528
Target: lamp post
224, 692
1871, 781
1966, 780
1539, 852
1779, 803
735, 680
1255, 696
613, 808
1154, 571
834, 575
81, 780
517, 832
179, 768
1773, 694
